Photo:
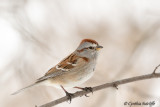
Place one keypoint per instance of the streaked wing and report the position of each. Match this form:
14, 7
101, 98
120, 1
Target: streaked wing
69, 63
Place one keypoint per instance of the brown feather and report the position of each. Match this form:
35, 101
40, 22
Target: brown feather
86, 59
64, 64
89, 40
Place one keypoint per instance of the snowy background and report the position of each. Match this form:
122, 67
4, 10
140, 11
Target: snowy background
37, 34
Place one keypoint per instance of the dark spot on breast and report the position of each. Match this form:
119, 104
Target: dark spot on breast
74, 62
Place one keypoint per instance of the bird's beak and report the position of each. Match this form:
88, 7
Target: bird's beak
99, 47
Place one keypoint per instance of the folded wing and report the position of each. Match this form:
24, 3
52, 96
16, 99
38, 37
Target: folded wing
68, 64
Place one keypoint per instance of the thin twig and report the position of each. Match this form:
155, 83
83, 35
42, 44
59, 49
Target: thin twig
156, 69
103, 86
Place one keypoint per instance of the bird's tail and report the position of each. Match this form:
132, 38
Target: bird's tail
24, 88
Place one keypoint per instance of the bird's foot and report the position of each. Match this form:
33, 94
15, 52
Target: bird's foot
88, 89
70, 96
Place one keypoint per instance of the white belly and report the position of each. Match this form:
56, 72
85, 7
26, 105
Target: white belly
81, 80
83, 76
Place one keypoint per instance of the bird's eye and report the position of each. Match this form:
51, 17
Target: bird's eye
91, 47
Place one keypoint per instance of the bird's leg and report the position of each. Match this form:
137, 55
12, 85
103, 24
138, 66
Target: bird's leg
86, 89
69, 95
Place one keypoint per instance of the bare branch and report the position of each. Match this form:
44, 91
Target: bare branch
103, 86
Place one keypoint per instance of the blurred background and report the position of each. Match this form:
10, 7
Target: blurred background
36, 34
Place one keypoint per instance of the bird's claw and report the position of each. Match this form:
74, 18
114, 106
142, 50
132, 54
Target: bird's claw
88, 89
69, 95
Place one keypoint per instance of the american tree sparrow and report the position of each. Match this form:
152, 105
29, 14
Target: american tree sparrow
73, 70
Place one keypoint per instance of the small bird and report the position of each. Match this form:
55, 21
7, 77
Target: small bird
73, 70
